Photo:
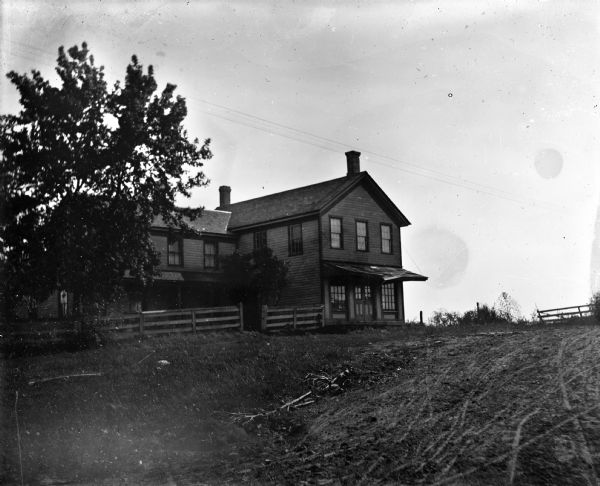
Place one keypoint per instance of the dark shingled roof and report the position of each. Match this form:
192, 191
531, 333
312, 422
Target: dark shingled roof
305, 200
211, 221
294, 202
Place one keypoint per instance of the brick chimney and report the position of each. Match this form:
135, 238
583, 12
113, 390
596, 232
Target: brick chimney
353, 162
224, 196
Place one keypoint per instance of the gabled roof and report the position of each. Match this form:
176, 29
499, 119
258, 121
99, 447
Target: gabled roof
305, 201
211, 221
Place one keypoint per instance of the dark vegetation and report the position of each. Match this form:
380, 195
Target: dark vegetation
85, 168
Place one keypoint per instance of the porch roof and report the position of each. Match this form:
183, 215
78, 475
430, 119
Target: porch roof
380, 272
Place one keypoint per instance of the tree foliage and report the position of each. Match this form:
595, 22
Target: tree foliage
85, 169
255, 278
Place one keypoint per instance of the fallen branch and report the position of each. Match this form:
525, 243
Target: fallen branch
144, 358
43, 380
290, 403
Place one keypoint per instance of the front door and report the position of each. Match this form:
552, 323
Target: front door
363, 302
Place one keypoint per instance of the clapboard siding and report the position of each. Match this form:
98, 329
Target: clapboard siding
360, 205
304, 286
193, 252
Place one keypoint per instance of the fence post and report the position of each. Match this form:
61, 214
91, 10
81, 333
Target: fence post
194, 321
141, 323
421, 317
263, 318
322, 315
241, 307
540, 316
294, 317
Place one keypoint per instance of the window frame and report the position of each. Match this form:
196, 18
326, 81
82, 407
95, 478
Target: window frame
387, 298
215, 255
341, 233
259, 239
295, 246
343, 303
366, 235
391, 239
174, 238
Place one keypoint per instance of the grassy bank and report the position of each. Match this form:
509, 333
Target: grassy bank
490, 406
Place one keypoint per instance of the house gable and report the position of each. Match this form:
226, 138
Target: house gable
361, 205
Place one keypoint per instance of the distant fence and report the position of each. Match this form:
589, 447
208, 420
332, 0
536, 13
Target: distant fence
301, 318
562, 314
173, 321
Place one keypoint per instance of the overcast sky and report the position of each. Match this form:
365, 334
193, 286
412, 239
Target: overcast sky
478, 118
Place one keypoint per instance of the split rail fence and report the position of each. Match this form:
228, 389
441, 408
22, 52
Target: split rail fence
561, 314
173, 321
300, 318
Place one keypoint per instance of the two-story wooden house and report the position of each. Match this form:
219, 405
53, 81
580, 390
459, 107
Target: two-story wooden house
341, 239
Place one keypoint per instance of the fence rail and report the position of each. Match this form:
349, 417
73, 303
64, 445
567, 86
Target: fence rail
173, 321
302, 318
561, 314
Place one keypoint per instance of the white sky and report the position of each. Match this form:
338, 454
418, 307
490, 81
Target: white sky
450, 102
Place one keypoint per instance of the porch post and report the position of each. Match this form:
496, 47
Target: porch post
350, 300
400, 300
326, 299
377, 296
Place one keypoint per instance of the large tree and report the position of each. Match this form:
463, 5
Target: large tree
85, 168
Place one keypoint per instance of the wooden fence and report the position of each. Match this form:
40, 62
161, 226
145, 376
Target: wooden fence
173, 321
562, 314
301, 318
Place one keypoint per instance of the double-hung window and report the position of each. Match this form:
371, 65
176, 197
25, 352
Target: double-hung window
362, 236
210, 254
174, 250
386, 238
260, 239
295, 239
335, 232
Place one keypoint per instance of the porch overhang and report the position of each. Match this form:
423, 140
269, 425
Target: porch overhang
183, 276
375, 272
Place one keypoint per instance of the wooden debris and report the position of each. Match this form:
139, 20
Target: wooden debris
43, 380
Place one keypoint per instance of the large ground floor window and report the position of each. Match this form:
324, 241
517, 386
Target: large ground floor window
388, 297
338, 298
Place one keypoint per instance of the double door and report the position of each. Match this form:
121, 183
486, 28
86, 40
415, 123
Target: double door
363, 302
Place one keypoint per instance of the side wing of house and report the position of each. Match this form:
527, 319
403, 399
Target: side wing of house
190, 275
297, 243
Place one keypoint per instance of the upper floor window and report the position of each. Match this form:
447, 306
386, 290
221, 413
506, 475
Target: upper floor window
335, 232
362, 236
260, 239
386, 238
174, 250
210, 254
295, 239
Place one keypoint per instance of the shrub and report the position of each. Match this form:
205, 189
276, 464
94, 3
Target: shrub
595, 306
443, 318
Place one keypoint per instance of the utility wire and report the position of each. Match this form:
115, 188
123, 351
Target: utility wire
259, 123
